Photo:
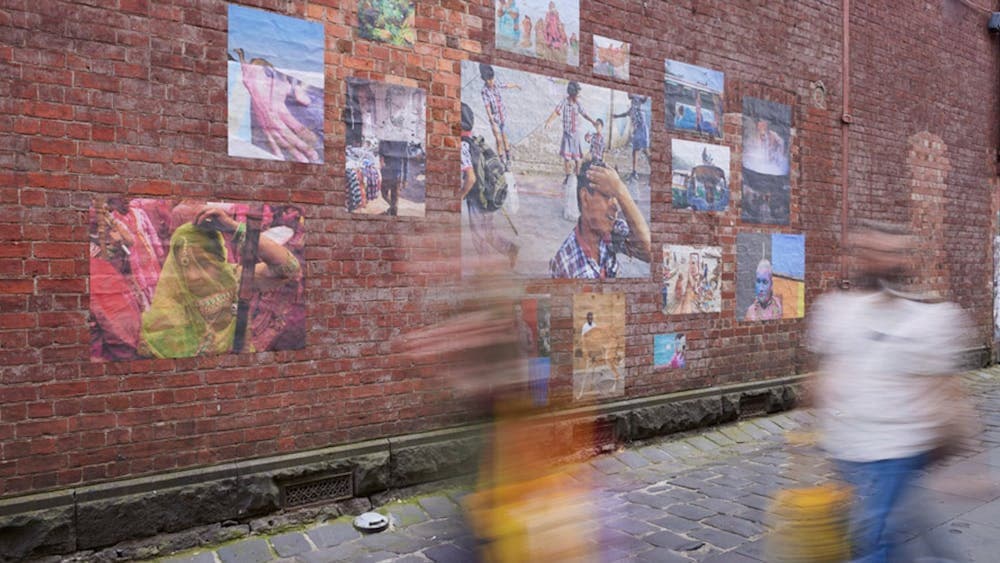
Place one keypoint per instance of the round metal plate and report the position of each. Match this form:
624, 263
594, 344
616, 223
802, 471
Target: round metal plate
371, 522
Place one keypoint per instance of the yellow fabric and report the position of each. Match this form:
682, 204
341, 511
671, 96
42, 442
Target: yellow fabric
193, 311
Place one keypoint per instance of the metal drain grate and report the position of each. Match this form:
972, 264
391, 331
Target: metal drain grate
753, 405
604, 435
336, 487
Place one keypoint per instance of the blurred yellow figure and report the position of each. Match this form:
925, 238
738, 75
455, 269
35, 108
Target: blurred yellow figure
525, 507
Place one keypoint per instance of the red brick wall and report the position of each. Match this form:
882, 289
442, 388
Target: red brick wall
129, 97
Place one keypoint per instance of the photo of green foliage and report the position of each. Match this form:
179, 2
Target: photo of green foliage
388, 21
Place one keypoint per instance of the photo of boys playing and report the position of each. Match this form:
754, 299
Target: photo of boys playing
595, 195
496, 112
637, 114
569, 109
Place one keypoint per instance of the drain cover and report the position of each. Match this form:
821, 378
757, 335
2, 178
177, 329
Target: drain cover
371, 522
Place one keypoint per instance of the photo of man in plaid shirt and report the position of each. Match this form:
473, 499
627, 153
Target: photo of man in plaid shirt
591, 249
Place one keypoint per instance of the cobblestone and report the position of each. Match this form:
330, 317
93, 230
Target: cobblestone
700, 497
439, 506
449, 553
632, 459
670, 540
632, 526
718, 538
247, 551
333, 534
735, 525
287, 545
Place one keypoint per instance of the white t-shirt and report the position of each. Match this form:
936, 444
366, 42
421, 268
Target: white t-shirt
876, 392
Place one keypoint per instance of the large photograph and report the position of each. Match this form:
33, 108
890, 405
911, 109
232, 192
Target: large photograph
388, 21
767, 190
386, 156
547, 29
275, 86
598, 345
700, 176
770, 277
180, 279
555, 175
692, 279
695, 98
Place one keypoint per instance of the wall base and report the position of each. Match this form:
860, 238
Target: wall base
97, 516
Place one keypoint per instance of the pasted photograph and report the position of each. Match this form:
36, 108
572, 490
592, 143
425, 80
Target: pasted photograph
598, 345
175, 279
386, 154
767, 127
546, 29
534, 321
275, 86
770, 276
611, 58
668, 350
555, 175
388, 21
692, 279
695, 98
699, 176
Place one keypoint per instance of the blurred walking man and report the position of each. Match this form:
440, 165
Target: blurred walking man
883, 356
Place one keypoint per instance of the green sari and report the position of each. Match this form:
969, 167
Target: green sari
194, 307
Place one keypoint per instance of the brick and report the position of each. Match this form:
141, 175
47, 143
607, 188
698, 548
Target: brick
53, 146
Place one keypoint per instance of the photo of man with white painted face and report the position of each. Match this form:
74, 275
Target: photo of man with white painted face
770, 276
766, 306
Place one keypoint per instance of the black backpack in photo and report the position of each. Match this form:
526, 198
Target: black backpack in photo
490, 189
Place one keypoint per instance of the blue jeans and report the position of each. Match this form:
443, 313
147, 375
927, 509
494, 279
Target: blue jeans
878, 486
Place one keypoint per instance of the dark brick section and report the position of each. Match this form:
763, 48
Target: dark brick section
617, 529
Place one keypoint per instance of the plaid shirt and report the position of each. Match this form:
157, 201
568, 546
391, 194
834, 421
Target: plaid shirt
568, 110
597, 146
571, 262
466, 155
494, 103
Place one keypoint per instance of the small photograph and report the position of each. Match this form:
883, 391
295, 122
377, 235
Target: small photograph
275, 86
386, 156
598, 345
770, 276
695, 98
611, 58
533, 317
546, 29
692, 279
388, 21
700, 175
555, 175
668, 350
767, 190
180, 279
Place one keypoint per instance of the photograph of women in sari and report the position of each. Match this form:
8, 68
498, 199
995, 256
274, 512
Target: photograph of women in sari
230, 280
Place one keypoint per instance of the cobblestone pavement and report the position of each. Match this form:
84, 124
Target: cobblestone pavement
697, 497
